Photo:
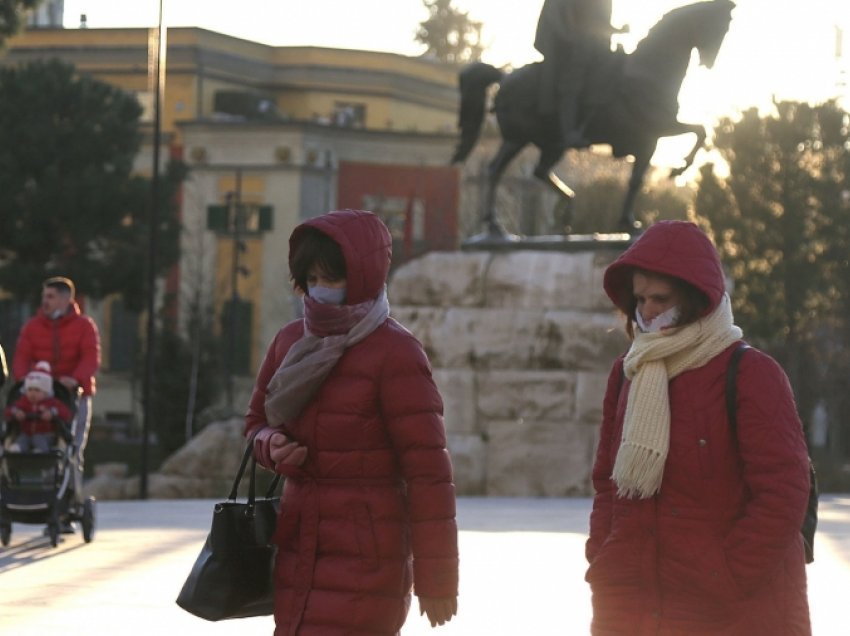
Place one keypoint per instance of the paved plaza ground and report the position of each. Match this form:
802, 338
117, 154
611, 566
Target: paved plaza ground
522, 569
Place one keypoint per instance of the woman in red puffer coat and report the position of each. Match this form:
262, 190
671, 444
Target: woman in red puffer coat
695, 527
345, 407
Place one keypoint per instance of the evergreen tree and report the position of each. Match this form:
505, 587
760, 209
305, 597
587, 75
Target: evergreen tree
780, 221
449, 34
778, 218
69, 201
12, 14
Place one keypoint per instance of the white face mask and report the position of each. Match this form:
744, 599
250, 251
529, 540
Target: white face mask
327, 295
664, 319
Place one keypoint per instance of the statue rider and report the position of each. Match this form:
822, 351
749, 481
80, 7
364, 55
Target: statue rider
574, 37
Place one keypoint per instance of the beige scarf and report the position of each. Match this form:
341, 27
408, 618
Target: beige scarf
652, 361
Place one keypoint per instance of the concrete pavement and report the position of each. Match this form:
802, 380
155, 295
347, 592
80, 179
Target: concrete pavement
522, 569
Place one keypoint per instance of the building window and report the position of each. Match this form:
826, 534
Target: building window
236, 328
349, 115
123, 337
145, 99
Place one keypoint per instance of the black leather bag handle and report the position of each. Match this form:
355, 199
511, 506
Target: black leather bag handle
249, 454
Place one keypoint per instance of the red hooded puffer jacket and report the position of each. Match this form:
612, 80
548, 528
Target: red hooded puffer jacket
718, 551
372, 510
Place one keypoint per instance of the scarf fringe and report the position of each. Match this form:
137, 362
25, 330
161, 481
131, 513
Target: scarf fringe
638, 470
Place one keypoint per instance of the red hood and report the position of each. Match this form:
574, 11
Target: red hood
675, 248
366, 246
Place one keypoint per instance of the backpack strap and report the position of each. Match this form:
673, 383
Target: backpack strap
810, 521
732, 385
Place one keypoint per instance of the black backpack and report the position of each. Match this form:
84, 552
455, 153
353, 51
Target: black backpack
810, 522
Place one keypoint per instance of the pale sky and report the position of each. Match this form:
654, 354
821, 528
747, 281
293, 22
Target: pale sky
782, 48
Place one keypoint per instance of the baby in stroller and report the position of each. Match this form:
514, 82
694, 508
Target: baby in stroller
37, 416
35, 459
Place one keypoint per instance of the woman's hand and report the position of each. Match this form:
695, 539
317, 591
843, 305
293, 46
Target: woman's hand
282, 450
438, 610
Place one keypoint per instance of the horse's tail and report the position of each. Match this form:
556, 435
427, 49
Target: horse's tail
474, 79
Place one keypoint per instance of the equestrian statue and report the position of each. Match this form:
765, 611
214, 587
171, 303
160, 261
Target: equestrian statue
582, 93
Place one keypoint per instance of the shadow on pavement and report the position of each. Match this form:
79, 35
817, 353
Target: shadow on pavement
33, 550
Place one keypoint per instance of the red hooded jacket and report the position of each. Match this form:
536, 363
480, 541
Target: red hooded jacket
718, 550
372, 510
71, 344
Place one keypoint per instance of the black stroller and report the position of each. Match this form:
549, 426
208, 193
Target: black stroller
38, 487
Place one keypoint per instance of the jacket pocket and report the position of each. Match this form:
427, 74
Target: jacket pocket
693, 560
718, 577
616, 562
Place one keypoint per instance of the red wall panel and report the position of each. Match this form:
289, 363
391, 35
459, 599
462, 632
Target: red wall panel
418, 203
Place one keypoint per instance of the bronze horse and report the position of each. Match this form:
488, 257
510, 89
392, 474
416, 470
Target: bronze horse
638, 106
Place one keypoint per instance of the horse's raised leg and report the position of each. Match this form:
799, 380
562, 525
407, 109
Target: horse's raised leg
628, 223
549, 156
559, 186
507, 151
682, 129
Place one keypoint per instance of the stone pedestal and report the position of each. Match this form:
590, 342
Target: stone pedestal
521, 343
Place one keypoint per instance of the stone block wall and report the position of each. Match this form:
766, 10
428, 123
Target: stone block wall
521, 344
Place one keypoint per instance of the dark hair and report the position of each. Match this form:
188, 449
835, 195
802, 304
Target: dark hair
316, 248
61, 284
692, 304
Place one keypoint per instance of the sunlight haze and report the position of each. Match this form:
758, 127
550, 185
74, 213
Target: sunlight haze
775, 48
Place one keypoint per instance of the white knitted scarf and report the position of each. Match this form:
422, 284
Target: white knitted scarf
652, 361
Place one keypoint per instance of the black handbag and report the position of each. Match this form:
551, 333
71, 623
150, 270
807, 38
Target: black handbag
233, 576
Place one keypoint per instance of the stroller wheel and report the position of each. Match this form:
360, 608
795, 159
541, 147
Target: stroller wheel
88, 519
5, 533
53, 533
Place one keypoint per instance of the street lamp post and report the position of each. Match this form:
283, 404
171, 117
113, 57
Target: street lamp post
237, 214
153, 229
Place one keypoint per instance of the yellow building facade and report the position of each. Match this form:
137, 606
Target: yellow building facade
304, 83
267, 126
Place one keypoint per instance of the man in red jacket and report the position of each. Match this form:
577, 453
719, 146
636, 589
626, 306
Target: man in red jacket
60, 334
